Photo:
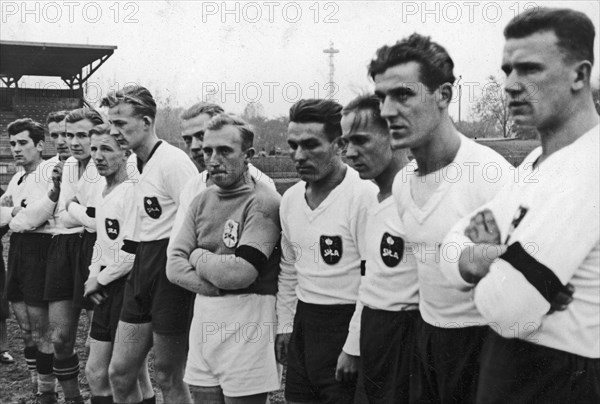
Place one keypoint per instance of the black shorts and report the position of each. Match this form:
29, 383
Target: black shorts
448, 365
106, 314
387, 354
517, 371
83, 271
64, 260
319, 334
151, 297
27, 259
4, 312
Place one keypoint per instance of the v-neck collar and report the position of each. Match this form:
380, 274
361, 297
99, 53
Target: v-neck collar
140, 163
312, 214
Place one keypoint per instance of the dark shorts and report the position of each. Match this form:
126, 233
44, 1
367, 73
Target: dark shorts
150, 297
387, 353
448, 365
4, 312
83, 271
319, 334
517, 371
27, 261
106, 314
64, 261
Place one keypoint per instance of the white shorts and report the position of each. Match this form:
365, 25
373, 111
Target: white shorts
232, 345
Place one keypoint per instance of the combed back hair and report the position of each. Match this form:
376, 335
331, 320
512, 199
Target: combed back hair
327, 112
102, 129
137, 96
217, 122
35, 129
436, 66
80, 114
56, 116
574, 30
367, 111
202, 108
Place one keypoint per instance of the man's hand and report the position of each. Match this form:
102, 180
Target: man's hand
16, 210
98, 297
474, 262
483, 228
56, 181
282, 342
7, 202
346, 370
562, 299
91, 286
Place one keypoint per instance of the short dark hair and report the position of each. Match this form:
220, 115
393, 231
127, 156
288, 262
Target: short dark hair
137, 96
56, 116
219, 121
327, 112
202, 108
436, 65
574, 30
35, 129
365, 106
80, 114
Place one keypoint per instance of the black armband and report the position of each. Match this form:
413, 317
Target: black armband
363, 268
129, 246
536, 273
253, 255
91, 211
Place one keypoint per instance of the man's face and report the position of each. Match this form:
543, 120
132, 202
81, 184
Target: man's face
368, 146
410, 109
78, 136
129, 128
58, 135
538, 81
107, 154
193, 134
23, 150
313, 154
224, 156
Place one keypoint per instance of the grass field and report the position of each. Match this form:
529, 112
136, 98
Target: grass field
14, 378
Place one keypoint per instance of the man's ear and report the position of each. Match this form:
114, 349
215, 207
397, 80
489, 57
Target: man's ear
581, 75
147, 121
40, 146
250, 153
444, 95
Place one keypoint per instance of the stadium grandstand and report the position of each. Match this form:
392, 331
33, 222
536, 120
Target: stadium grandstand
73, 64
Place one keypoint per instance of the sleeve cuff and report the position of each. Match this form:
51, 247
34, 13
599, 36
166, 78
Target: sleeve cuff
352, 345
453, 248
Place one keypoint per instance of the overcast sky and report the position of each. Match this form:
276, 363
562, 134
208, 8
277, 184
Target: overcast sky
270, 51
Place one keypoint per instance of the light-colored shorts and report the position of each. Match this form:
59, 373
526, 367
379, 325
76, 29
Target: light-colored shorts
232, 344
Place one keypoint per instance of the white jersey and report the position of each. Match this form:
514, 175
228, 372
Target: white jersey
157, 191
390, 281
322, 248
472, 179
550, 221
112, 225
30, 192
198, 184
87, 189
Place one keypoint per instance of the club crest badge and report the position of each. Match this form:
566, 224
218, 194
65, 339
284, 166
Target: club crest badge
230, 233
517, 218
152, 207
391, 249
112, 228
331, 249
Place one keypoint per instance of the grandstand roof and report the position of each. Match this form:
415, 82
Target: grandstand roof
51, 59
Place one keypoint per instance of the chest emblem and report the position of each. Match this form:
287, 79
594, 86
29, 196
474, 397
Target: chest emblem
152, 207
331, 249
391, 249
230, 233
24, 203
112, 228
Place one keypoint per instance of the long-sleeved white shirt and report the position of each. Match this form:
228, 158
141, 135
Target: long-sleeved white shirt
112, 213
322, 249
552, 211
473, 178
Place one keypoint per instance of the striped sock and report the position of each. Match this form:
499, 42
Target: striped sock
66, 369
30, 353
46, 379
101, 400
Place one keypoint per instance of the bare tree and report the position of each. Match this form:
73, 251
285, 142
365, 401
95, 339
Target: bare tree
492, 107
